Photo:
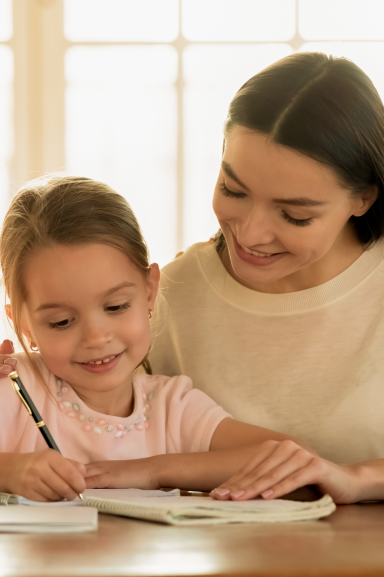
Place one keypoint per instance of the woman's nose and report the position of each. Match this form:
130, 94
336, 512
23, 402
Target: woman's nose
255, 229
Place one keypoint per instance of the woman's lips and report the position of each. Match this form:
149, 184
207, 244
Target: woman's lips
253, 259
104, 367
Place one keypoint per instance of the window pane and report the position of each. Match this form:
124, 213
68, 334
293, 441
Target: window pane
121, 20
5, 20
121, 123
341, 19
238, 19
213, 74
368, 55
6, 128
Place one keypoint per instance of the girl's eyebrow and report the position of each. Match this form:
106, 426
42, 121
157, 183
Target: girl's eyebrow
109, 292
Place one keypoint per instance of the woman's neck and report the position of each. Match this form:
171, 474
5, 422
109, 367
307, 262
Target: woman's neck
345, 251
117, 402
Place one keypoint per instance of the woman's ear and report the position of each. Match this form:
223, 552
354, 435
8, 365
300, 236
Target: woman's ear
366, 200
153, 280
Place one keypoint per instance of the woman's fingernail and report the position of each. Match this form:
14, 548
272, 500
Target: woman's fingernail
267, 494
5, 369
10, 361
237, 494
221, 492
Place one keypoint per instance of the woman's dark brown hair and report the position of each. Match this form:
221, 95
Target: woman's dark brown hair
328, 109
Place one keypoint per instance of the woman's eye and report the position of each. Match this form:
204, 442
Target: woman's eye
118, 308
60, 324
227, 192
296, 221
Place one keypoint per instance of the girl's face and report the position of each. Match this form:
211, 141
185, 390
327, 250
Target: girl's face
87, 311
284, 216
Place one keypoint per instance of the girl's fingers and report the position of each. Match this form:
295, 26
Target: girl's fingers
67, 481
5, 370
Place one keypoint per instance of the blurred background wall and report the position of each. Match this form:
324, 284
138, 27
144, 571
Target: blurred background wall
135, 92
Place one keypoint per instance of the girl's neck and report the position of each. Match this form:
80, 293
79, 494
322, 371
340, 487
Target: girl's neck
117, 402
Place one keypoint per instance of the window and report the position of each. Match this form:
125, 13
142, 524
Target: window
135, 92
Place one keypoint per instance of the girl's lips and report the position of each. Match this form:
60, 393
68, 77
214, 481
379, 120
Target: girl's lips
255, 260
104, 367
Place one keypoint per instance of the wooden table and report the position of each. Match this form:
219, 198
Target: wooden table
349, 543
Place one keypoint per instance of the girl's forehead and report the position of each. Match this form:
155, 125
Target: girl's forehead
75, 271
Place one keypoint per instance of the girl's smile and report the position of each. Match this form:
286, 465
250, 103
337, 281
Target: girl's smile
102, 365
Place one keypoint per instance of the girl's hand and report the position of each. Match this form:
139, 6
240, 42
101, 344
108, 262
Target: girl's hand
43, 476
279, 468
138, 473
7, 364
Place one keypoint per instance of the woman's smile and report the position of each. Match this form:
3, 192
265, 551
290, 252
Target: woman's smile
254, 257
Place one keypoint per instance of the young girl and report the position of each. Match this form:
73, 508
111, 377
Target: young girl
82, 293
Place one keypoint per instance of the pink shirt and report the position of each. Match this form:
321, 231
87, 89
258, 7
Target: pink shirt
169, 416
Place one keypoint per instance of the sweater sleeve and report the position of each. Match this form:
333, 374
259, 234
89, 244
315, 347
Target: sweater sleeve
191, 417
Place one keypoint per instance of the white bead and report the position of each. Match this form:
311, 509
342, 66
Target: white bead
67, 404
97, 430
146, 406
81, 417
150, 396
137, 422
130, 427
75, 407
118, 434
109, 428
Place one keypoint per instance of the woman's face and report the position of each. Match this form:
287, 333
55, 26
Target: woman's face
284, 215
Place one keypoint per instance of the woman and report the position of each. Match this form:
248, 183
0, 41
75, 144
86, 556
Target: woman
279, 318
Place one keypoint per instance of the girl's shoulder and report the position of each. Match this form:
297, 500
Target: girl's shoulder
155, 385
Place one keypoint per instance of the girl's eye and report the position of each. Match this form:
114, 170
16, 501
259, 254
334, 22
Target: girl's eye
60, 325
296, 221
116, 309
227, 192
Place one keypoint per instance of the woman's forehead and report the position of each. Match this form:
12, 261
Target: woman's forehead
253, 160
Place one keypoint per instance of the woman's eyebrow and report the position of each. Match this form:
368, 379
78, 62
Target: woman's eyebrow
300, 201
229, 172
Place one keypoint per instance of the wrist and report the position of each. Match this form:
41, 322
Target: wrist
7, 467
368, 482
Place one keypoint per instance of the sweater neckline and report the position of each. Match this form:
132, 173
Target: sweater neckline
300, 301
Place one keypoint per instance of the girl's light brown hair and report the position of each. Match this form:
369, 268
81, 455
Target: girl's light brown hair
64, 210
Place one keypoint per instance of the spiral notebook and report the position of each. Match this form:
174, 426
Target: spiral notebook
175, 510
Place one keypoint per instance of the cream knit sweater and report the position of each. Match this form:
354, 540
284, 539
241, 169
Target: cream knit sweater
308, 364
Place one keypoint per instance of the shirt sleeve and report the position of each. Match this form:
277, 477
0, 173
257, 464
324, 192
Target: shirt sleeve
191, 417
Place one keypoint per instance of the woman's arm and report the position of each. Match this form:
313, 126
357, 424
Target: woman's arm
244, 462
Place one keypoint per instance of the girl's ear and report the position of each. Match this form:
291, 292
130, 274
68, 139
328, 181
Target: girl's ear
25, 330
8, 311
153, 280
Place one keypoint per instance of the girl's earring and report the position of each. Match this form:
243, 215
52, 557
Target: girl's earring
150, 313
33, 346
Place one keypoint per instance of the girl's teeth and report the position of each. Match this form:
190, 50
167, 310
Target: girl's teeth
100, 362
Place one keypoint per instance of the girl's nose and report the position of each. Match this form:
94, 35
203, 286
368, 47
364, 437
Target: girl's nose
95, 336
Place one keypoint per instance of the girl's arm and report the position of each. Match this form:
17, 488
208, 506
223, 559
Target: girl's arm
244, 462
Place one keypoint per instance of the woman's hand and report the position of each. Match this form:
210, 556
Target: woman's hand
138, 473
278, 468
41, 476
7, 364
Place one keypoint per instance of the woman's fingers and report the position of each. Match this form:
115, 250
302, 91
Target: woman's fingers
312, 473
6, 347
260, 475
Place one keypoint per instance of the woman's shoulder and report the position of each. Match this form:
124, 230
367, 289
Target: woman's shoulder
190, 266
